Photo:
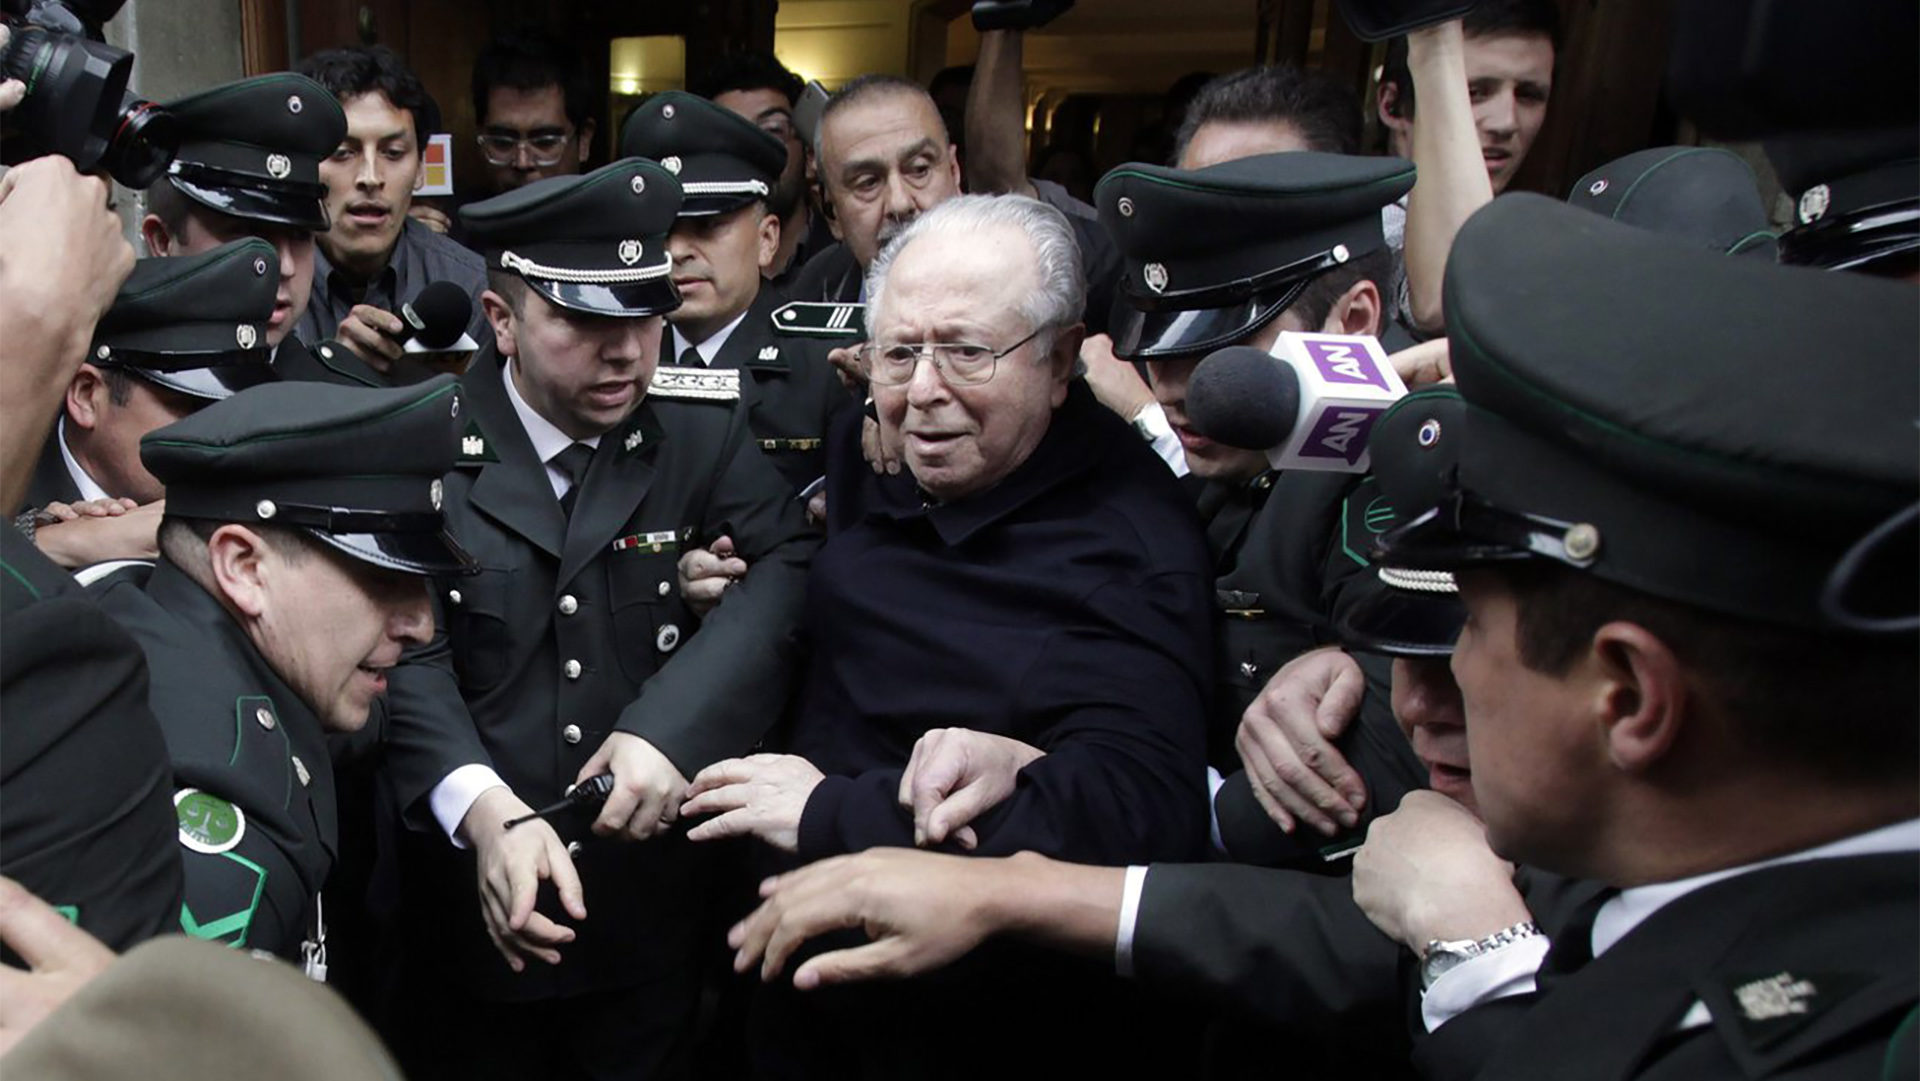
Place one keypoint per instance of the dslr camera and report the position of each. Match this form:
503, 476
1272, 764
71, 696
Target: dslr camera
77, 102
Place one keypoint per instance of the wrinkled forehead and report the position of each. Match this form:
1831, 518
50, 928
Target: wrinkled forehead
972, 276
883, 124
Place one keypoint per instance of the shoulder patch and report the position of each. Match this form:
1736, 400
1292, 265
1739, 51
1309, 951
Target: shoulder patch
208, 824
697, 384
228, 892
822, 319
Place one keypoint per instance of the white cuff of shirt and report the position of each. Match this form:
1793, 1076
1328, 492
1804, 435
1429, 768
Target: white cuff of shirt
1151, 422
453, 797
1214, 783
1129, 912
1508, 970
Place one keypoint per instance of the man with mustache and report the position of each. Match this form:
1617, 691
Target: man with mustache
373, 256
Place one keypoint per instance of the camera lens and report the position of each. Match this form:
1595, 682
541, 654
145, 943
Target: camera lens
142, 145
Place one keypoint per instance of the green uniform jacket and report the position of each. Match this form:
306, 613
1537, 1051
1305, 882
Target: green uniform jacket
790, 390
574, 629
253, 785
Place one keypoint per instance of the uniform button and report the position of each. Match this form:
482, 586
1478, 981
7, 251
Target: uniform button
573, 849
568, 605
662, 589
572, 668
453, 595
571, 733
265, 717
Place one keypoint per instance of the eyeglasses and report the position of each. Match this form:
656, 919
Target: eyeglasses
961, 364
544, 147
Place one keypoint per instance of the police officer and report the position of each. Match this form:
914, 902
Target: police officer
1684, 552
722, 241
1234, 254
583, 473
181, 333
249, 165
301, 523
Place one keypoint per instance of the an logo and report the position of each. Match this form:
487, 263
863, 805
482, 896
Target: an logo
1344, 362
1774, 997
670, 163
278, 166
1155, 276
1341, 433
1813, 204
245, 335
630, 251
294, 104
208, 824
434, 493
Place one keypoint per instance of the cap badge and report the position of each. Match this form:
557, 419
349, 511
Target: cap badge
1429, 433
630, 251
670, 163
1597, 187
1156, 277
294, 104
259, 268
1581, 542
1813, 204
1340, 253
434, 493
456, 405
265, 508
639, 184
1125, 207
634, 439
245, 335
278, 166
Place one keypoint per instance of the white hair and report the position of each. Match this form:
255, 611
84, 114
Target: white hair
1062, 294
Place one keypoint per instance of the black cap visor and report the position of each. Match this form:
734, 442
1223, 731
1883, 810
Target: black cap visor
713, 205
1154, 335
215, 382
426, 552
1402, 622
630, 300
307, 211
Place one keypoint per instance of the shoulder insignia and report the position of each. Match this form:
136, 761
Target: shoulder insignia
474, 448
228, 888
777, 446
698, 384
822, 319
208, 824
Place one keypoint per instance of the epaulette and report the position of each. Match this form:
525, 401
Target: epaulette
696, 384
822, 319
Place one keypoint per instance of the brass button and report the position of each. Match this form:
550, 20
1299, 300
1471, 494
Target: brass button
571, 733
568, 605
572, 669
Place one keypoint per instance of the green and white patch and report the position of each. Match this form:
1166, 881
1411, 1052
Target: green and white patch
208, 823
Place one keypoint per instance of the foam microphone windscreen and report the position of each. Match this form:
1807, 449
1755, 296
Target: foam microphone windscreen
1243, 397
439, 315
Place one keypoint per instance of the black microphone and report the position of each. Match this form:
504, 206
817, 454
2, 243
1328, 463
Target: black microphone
1310, 403
436, 320
1238, 396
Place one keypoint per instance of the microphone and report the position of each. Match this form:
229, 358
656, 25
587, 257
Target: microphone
1309, 404
436, 320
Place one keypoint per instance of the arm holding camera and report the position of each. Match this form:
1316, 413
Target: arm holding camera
1446, 149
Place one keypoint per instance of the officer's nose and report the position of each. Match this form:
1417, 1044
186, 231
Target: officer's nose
411, 619
369, 175
629, 341
1499, 114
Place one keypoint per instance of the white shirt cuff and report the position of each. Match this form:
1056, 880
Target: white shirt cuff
1151, 422
453, 797
1214, 783
1129, 912
1508, 970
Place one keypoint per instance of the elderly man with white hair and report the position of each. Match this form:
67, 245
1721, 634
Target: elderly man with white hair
1036, 576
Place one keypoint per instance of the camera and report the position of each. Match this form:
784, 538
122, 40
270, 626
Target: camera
77, 104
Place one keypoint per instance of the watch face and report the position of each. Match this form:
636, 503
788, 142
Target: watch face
1441, 958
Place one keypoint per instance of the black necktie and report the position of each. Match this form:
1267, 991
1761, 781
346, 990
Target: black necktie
691, 358
1572, 947
573, 462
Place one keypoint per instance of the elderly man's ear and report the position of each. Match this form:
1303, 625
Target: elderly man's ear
1062, 357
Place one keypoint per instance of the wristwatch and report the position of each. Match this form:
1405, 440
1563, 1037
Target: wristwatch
28, 522
1445, 956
